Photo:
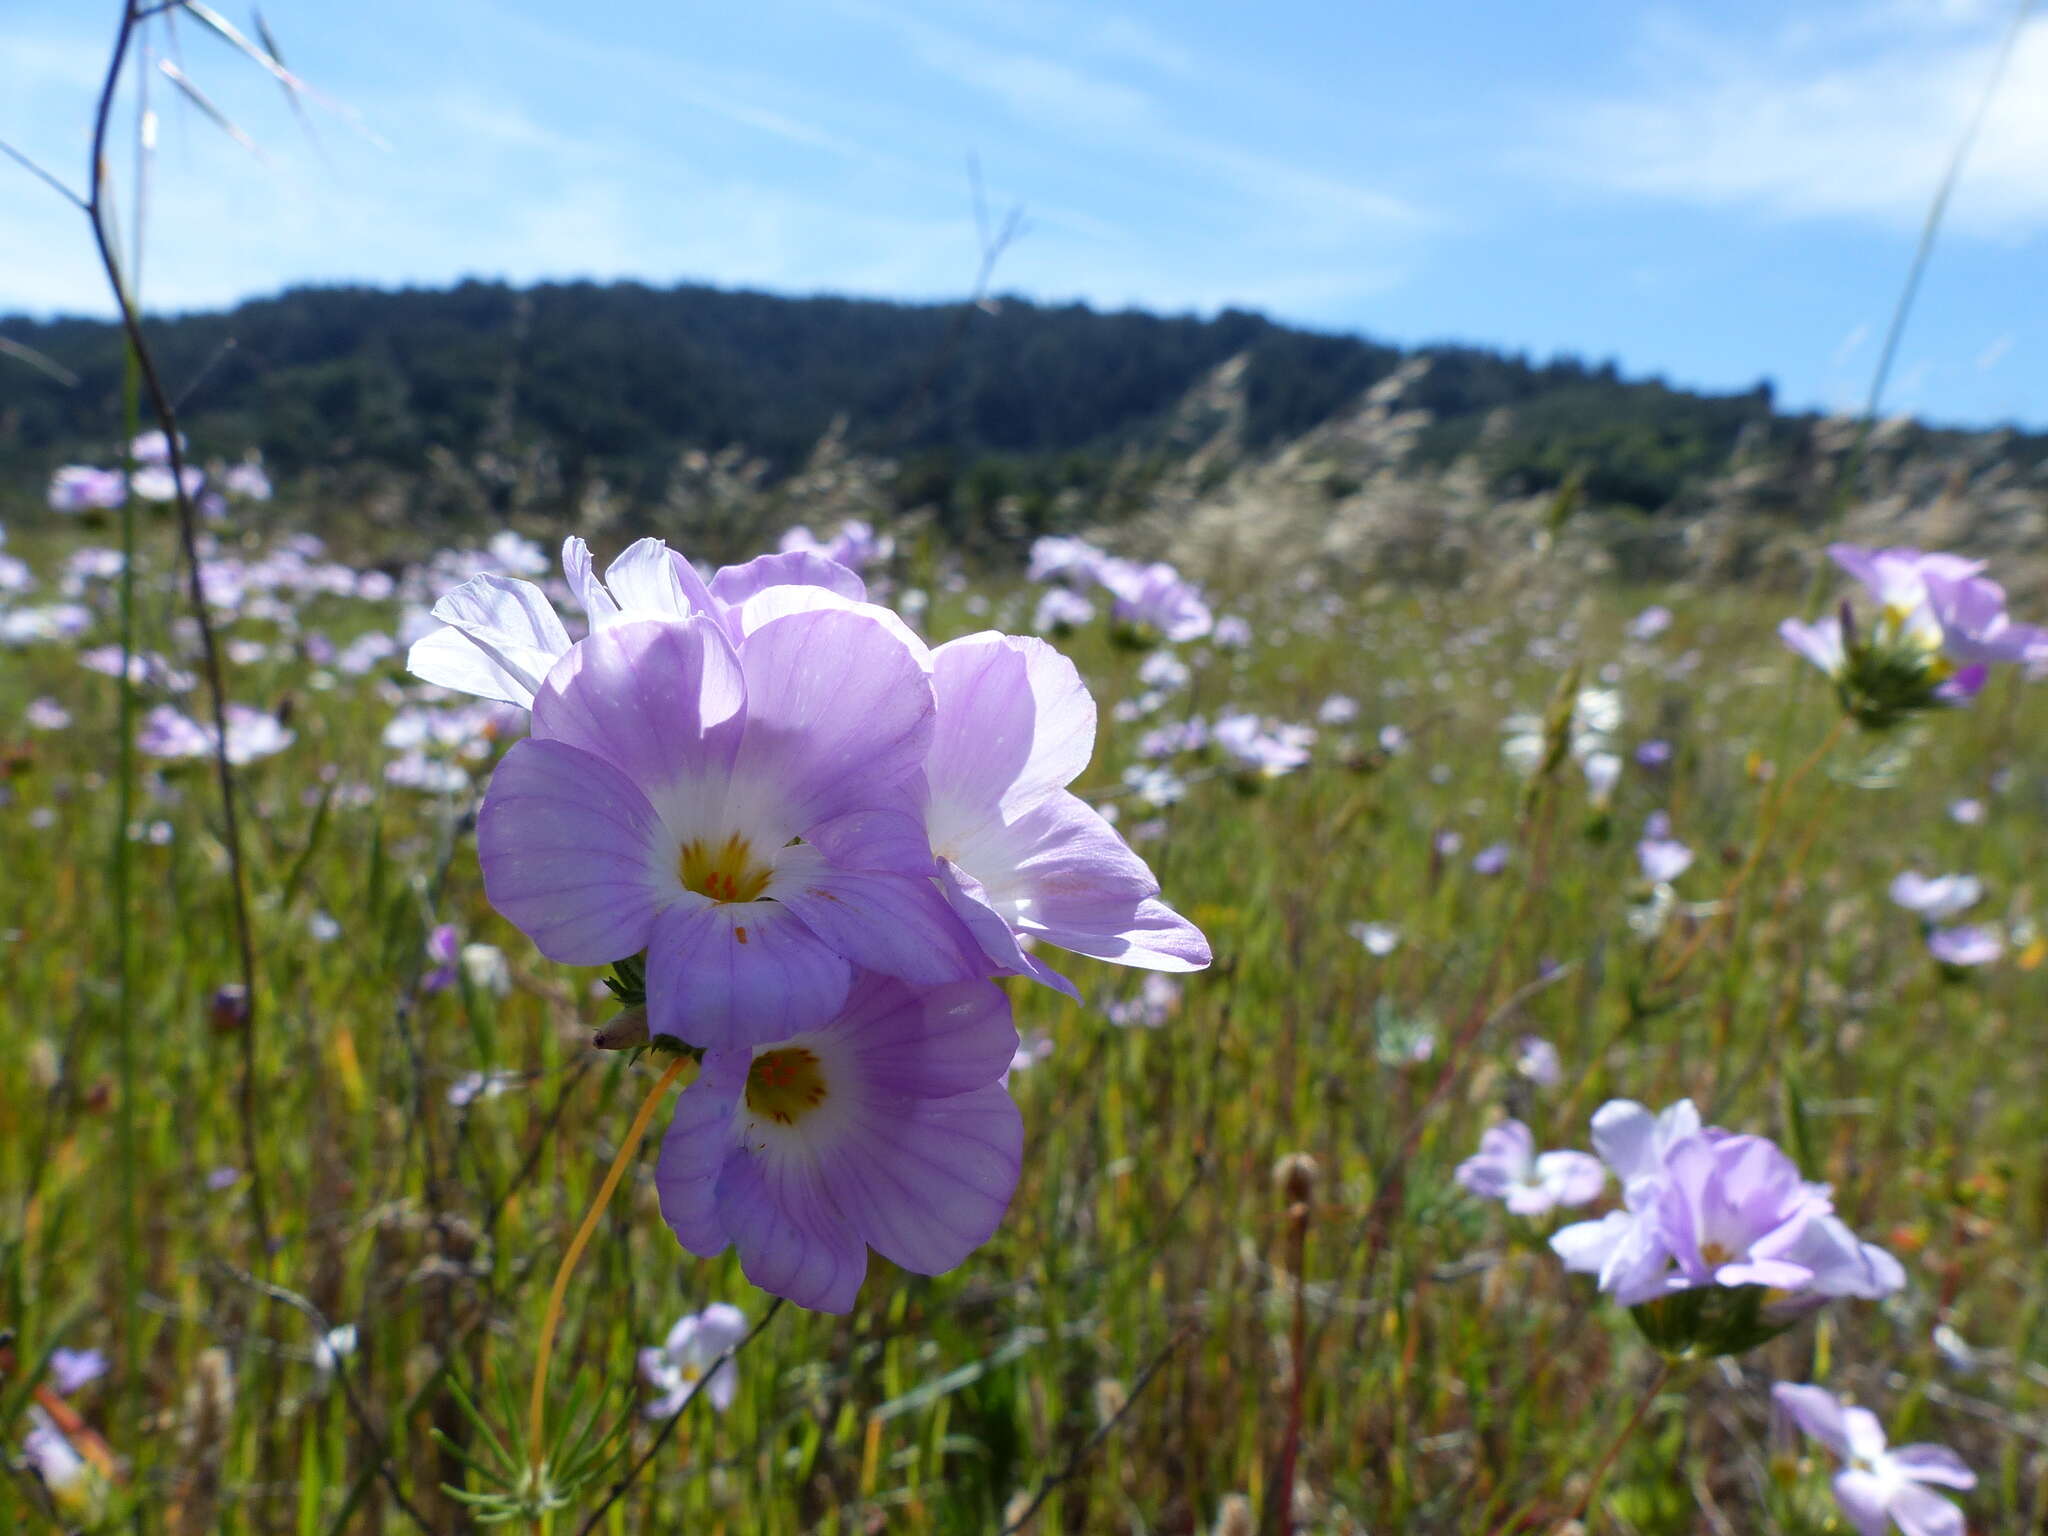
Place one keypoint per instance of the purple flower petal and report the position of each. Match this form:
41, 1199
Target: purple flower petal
926, 1181
1863, 1498
791, 1240
896, 924
663, 701
726, 974
570, 851
839, 713
1015, 723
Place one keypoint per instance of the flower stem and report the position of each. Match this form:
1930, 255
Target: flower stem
1628, 1433
536, 1442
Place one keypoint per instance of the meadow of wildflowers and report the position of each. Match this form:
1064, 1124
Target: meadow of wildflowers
852, 1040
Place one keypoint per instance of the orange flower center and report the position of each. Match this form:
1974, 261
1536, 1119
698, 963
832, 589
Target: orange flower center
723, 871
785, 1085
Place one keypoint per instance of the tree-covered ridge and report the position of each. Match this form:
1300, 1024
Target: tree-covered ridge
612, 382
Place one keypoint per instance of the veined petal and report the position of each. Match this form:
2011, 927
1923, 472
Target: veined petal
839, 714
662, 700
510, 623
734, 584
590, 592
896, 924
448, 658
699, 1139
647, 579
992, 931
727, 974
890, 838
1923, 1512
779, 602
791, 1241
1015, 723
569, 848
926, 1181
929, 1043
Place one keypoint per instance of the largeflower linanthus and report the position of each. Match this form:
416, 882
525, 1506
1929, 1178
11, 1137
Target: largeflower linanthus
1878, 1486
887, 1127
736, 812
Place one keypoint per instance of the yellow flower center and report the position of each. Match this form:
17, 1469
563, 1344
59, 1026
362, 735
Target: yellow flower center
785, 1085
1715, 1254
723, 871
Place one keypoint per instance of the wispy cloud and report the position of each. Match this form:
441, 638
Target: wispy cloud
1851, 116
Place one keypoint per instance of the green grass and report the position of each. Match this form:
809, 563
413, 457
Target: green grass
1454, 1378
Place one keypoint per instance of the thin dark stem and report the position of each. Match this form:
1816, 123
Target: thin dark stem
188, 538
1087, 1448
41, 175
618, 1489
379, 1448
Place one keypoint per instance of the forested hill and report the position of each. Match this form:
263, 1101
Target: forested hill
612, 382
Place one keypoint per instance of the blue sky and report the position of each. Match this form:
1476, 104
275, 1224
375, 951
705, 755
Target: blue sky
1716, 192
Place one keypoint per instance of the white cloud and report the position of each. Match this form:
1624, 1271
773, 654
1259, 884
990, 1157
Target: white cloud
1855, 116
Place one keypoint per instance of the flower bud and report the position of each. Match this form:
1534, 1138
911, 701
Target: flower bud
228, 1009
623, 1032
1294, 1178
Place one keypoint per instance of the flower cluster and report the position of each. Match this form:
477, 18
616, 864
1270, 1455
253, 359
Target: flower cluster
1939, 627
1148, 599
813, 840
77, 488
1719, 1243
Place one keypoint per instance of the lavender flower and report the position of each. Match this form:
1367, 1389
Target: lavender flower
1662, 859
1265, 753
675, 1366
1537, 1060
1508, 1168
1156, 597
1018, 855
743, 814
1878, 1486
1337, 709
1966, 947
1650, 623
1936, 898
1491, 859
1379, 939
1157, 1001
1060, 609
444, 945
45, 715
1720, 1243
885, 1127
81, 488
73, 1369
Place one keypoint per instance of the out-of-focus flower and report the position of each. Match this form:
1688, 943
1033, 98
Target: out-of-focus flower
693, 1346
1967, 813
1508, 1168
1936, 898
1491, 859
72, 1483
1537, 1060
1662, 859
153, 447
1031, 1050
247, 480
1603, 772
324, 928
886, 1127
1378, 938
154, 482
856, 545
1710, 1212
74, 1369
1877, 1485
223, 1178
1337, 709
1057, 558
1653, 754
1265, 753
487, 969
1164, 670
444, 946
1156, 597
1231, 633
1650, 623
473, 1087
1963, 948
45, 715
1060, 609
81, 488
333, 1347
1157, 1001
